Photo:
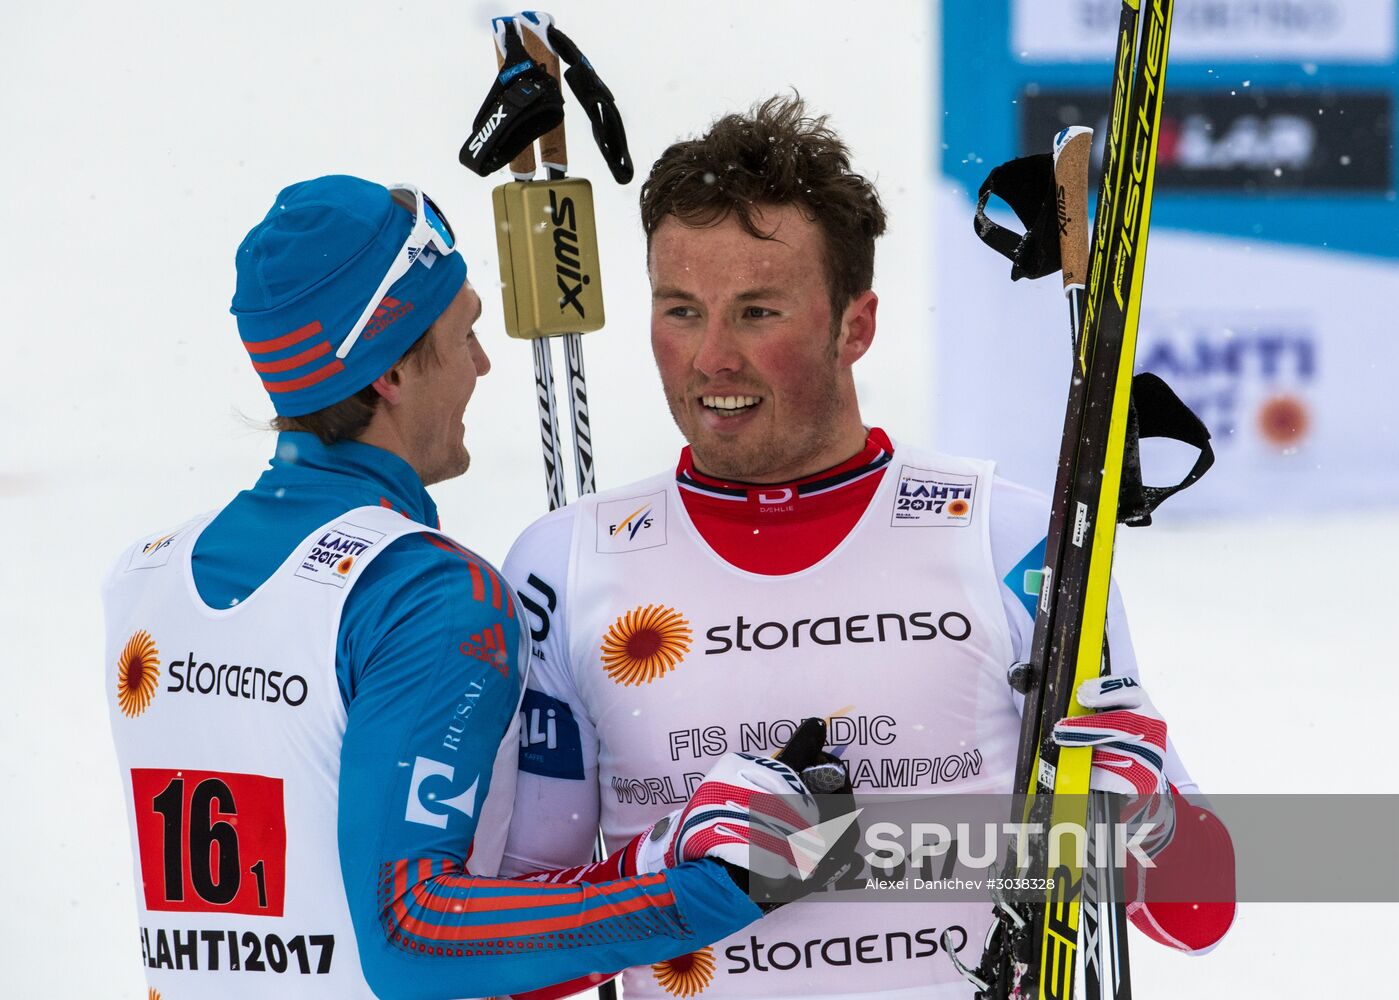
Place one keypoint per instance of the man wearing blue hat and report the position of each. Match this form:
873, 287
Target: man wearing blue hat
313, 689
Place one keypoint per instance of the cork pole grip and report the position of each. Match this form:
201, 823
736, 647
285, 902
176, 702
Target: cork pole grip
523, 164
1071, 156
553, 147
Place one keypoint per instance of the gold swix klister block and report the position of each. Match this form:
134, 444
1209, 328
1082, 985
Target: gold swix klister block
549, 267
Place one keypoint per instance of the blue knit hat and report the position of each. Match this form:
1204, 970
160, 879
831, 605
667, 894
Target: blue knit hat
305, 274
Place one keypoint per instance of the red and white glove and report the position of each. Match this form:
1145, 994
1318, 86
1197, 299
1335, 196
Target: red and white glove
719, 821
1191, 852
1126, 732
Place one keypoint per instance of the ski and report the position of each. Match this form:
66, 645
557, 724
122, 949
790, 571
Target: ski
1033, 949
1069, 631
1103, 939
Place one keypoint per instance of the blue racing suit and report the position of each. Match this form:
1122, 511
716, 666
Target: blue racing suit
426, 927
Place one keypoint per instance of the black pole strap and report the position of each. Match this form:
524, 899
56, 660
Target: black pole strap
1025, 184
1156, 411
598, 103
525, 102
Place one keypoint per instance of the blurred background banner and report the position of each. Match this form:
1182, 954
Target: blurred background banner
1274, 251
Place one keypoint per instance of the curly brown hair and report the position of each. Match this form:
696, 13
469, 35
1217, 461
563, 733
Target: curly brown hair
775, 155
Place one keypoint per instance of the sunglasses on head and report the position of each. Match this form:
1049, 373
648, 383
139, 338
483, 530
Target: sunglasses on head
430, 230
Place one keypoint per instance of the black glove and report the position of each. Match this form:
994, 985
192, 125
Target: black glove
524, 102
826, 777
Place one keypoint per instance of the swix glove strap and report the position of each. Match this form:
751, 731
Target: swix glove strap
524, 102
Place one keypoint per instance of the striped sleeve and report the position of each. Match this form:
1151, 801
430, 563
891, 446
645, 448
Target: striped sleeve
437, 907
432, 653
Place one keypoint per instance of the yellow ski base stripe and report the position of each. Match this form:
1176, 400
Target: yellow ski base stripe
1059, 945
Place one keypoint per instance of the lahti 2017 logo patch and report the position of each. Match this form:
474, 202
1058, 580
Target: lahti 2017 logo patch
926, 497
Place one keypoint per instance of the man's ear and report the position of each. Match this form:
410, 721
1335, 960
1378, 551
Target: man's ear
857, 326
389, 385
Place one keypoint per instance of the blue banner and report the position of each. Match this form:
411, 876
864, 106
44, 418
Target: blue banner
1273, 252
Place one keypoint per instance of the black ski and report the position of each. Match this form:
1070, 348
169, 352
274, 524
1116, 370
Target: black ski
1032, 950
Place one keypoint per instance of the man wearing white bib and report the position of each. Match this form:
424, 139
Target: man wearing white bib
313, 690
795, 563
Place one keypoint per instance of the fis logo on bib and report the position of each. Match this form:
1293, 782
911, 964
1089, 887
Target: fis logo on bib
927, 498
631, 524
333, 555
153, 552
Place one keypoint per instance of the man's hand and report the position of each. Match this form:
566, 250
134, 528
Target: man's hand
1128, 737
1127, 734
719, 821
755, 815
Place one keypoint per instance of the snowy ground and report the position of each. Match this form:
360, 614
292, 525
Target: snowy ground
144, 139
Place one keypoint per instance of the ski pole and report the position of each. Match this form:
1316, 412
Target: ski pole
553, 157
553, 150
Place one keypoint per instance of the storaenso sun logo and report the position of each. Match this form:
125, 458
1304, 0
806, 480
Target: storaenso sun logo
138, 673
686, 975
568, 263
